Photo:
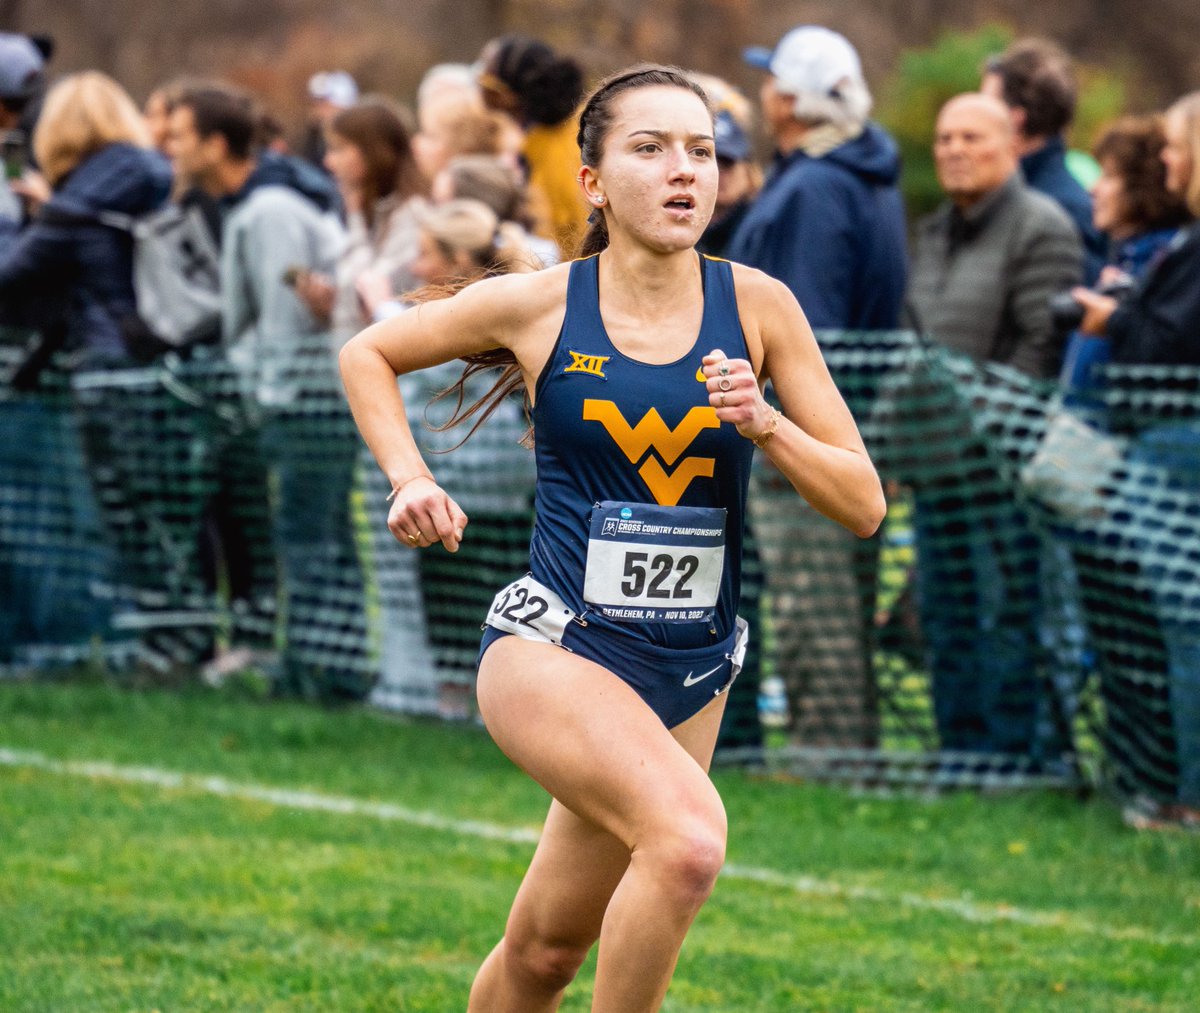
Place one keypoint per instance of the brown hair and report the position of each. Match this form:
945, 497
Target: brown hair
596, 120
173, 90
1188, 110
1133, 145
221, 110
376, 127
1037, 77
83, 114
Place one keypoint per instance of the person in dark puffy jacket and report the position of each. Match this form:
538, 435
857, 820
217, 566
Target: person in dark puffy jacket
829, 224
95, 156
1159, 322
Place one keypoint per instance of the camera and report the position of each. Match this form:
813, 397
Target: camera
1067, 314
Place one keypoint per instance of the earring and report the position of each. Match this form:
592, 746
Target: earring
601, 200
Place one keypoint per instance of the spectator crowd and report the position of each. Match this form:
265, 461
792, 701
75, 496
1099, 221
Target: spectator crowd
193, 275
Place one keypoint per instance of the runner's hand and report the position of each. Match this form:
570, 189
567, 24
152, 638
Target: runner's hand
734, 392
423, 514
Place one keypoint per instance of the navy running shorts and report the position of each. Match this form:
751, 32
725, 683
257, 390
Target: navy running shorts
675, 684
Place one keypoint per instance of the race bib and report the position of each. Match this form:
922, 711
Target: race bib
648, 563
530, 610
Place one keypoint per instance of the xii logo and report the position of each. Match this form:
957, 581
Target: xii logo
652, 433
593, 365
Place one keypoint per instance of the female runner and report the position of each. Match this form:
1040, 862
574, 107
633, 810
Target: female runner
602, 671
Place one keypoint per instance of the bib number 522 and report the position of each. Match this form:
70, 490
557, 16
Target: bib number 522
639, 568
519, 606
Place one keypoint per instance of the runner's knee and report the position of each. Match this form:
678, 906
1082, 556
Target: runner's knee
549, 967
688, 858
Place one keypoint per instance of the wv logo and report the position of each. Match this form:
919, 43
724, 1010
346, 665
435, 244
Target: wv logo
652, 433
593, 365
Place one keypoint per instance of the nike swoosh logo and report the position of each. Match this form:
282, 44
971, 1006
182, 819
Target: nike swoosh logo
689, 681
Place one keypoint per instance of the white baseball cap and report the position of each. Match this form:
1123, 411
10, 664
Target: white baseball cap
809, 60
333, 86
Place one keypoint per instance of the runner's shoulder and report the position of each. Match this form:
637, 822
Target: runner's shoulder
520, 299
766, 307
757, 291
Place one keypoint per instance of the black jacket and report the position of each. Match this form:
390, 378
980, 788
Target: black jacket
1158, 323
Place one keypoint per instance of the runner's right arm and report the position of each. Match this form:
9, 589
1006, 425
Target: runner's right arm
486, 315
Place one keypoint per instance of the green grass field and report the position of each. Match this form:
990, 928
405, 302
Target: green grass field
382, 887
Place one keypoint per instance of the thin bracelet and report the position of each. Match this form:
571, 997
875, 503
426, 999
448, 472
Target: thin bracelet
396, 488
763, 438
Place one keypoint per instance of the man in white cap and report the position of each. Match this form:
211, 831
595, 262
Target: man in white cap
829, 224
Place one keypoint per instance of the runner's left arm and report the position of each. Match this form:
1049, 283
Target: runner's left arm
816, 442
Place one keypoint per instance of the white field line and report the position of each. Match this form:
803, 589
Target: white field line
965, 909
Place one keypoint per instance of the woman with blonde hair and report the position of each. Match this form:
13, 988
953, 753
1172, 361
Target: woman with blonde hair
452, 123
502, 188
76, 257
95, 155
459, 241
465, 239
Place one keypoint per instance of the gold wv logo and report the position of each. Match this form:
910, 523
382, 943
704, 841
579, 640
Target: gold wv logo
652, 432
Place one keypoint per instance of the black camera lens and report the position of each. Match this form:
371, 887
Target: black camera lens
1065, 312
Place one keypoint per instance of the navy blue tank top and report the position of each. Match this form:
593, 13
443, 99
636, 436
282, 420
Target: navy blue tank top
608, 427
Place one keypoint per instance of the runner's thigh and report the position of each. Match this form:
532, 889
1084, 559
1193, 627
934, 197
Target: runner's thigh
591, 741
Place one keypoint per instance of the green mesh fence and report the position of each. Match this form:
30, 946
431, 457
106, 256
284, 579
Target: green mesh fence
1028, 614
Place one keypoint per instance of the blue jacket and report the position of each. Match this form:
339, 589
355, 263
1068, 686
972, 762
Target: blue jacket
1046, 171
832, 230
294, 173
89, 267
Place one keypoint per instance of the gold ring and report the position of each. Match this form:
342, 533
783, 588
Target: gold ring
723, 369
725, 383
413, 539
722, 400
